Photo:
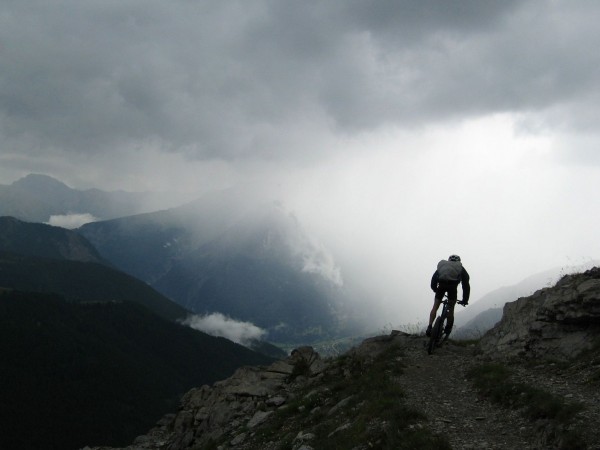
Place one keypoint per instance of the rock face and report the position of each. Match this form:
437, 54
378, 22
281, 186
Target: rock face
553, 323
243, 401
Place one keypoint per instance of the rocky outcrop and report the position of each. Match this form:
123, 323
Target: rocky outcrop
230, 411
235, 406
554, 323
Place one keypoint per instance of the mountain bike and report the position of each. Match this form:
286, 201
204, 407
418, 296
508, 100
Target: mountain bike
437, 337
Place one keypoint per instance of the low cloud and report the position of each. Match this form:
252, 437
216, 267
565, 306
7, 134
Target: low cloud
319, 260
71, 221
217, 324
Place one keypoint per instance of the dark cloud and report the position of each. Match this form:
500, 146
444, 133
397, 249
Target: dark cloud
270, 79
364, 114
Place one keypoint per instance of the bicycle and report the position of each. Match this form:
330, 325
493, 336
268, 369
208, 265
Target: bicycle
436, 339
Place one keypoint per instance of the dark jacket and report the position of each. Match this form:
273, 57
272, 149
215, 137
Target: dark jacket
463, 280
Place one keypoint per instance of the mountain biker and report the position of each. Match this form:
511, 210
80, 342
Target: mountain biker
445, 280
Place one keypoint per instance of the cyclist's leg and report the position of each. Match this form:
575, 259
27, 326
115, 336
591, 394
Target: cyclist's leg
436, 306
437, 300
452, 297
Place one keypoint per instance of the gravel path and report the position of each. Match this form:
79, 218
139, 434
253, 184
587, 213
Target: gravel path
436, 384
572, 384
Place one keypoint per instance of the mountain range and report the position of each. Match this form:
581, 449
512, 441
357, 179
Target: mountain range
233, 254
37, 198
90, 353
90, 318
42, 258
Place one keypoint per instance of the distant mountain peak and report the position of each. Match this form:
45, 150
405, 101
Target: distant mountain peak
35, 181
45, 241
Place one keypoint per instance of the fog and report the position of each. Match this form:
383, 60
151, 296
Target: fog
507, 207
398, 133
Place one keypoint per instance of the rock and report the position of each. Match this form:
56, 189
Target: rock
554, 323
307, 362
238, 439
339, 429
258, 418
278, 400
301, 436
372, 347
340, 405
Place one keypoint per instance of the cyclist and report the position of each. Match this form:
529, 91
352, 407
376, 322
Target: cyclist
445, 280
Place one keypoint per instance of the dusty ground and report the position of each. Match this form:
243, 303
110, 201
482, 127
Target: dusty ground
437, 384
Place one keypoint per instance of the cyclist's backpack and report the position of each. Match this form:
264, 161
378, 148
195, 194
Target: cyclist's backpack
449, 270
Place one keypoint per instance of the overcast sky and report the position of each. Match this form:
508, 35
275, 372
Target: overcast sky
398, 131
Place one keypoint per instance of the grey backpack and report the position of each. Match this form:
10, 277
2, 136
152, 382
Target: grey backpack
449, 270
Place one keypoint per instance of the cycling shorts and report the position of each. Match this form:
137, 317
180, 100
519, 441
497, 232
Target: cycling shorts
447, 287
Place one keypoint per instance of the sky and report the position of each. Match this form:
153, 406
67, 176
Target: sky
398, 132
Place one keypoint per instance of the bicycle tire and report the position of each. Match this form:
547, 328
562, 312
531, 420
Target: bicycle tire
436, 333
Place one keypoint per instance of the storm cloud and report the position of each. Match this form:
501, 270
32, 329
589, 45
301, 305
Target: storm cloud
216, 79
398, 132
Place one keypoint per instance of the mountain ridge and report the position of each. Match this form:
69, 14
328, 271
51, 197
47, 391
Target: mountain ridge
37, 198
45, 241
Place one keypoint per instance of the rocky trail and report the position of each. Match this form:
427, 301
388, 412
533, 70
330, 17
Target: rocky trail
571, 382
438, 385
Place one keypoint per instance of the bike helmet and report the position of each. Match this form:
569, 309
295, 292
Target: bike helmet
454, 258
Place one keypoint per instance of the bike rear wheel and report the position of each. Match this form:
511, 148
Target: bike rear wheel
436, 334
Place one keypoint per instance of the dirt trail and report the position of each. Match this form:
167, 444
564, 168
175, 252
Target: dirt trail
437, 385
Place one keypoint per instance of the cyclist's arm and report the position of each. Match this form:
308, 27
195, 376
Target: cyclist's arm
434, 281
466, 287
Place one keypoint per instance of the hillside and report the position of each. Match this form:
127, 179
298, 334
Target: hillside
74, 374
82, 282
41, 258
388, 393
84, 345
36, 239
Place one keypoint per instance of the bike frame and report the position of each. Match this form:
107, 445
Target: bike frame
438, 328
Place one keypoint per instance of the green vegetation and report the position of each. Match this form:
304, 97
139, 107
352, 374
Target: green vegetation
494, 382
369, 409
78, 374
